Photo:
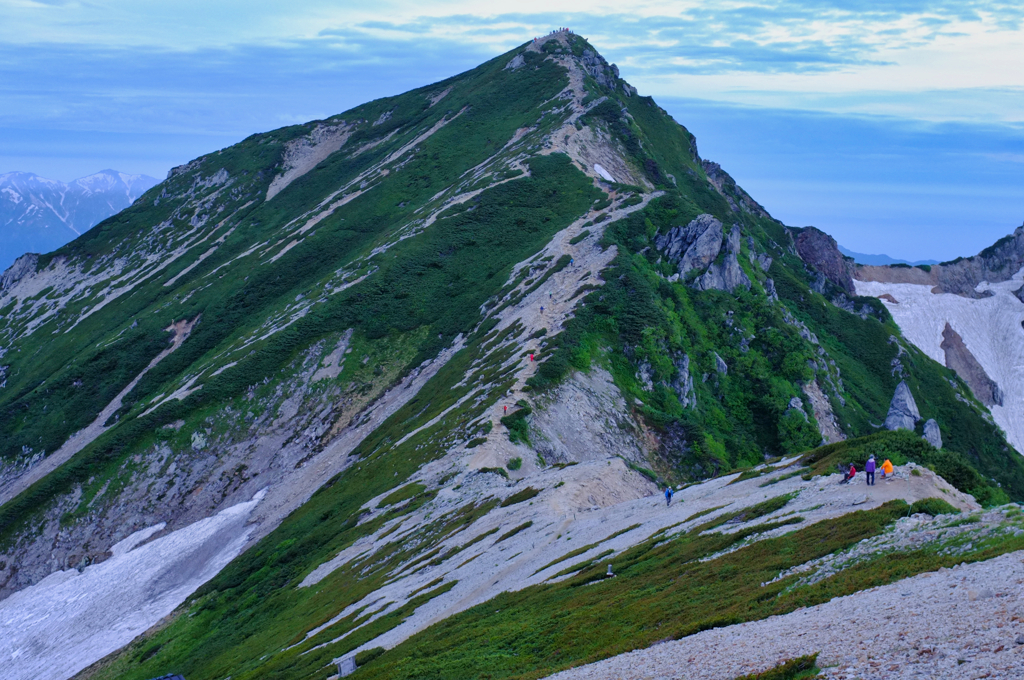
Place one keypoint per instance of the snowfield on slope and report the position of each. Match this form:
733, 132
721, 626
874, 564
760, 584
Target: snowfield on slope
70, 620
990, 327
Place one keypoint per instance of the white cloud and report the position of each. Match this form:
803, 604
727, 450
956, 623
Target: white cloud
829, 55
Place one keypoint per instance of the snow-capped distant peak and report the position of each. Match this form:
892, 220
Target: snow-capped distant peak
39, 214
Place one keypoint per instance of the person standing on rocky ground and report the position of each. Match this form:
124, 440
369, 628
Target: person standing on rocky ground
887, 470
869, 470
668, 496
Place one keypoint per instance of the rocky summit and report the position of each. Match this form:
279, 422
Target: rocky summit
400, 393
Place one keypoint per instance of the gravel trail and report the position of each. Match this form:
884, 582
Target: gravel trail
965, 622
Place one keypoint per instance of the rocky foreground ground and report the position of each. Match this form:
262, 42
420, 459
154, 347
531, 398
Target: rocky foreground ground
965, 622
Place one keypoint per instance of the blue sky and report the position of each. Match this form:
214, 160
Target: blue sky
896, 126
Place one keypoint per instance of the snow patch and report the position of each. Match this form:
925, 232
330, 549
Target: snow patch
70, 620
990, 327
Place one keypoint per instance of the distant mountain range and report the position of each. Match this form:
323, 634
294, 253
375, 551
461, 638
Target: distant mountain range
39, 215
880, 260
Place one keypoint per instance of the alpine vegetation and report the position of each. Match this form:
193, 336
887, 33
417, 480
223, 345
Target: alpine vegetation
399, 393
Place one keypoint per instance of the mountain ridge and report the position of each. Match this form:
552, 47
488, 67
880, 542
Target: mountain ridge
404, 337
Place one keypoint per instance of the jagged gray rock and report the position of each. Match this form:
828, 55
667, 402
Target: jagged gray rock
694, 246
903, 413
720, 365
599, 69
682, 384
932, 435
515, 62
797, 404
22, 267
769, 289
727, 276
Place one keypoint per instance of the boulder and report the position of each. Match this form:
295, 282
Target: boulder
515, 62
903, 413
769, 289
796, 404
932, 435
346, 666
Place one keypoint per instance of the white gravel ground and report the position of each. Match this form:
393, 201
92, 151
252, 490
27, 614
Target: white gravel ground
966, 622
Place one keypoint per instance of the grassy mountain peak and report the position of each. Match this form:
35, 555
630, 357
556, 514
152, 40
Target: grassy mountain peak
414, 319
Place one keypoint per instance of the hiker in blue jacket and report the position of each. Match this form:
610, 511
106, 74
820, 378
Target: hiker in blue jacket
869, 470
668, 496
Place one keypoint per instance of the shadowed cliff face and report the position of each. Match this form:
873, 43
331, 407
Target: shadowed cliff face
960, 359
821, 251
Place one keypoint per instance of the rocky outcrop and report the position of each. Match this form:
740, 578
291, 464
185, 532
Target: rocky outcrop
960, 359
515, 62
694, 246
932, 434
699, 246
999, 262
594, 64
827, 424
796, 405
24, 266
727, 275
820, 251
738, 199
682, 383
903, 413
720, 365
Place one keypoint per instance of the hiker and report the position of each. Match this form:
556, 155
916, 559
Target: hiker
887, 470
531, 356
668, 496
542, 309
869, 470
849, 474
506, 409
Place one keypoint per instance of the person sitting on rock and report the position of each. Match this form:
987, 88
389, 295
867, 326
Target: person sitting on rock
849, 474
887, 470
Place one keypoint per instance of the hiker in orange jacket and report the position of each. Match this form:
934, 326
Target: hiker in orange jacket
887, 469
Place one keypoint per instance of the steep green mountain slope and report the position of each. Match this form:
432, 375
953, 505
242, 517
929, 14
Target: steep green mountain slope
339, 313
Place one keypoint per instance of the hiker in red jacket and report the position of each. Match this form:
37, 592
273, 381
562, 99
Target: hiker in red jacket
849, 474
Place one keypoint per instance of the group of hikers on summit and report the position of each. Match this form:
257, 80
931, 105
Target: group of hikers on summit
869, 471
848, 474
